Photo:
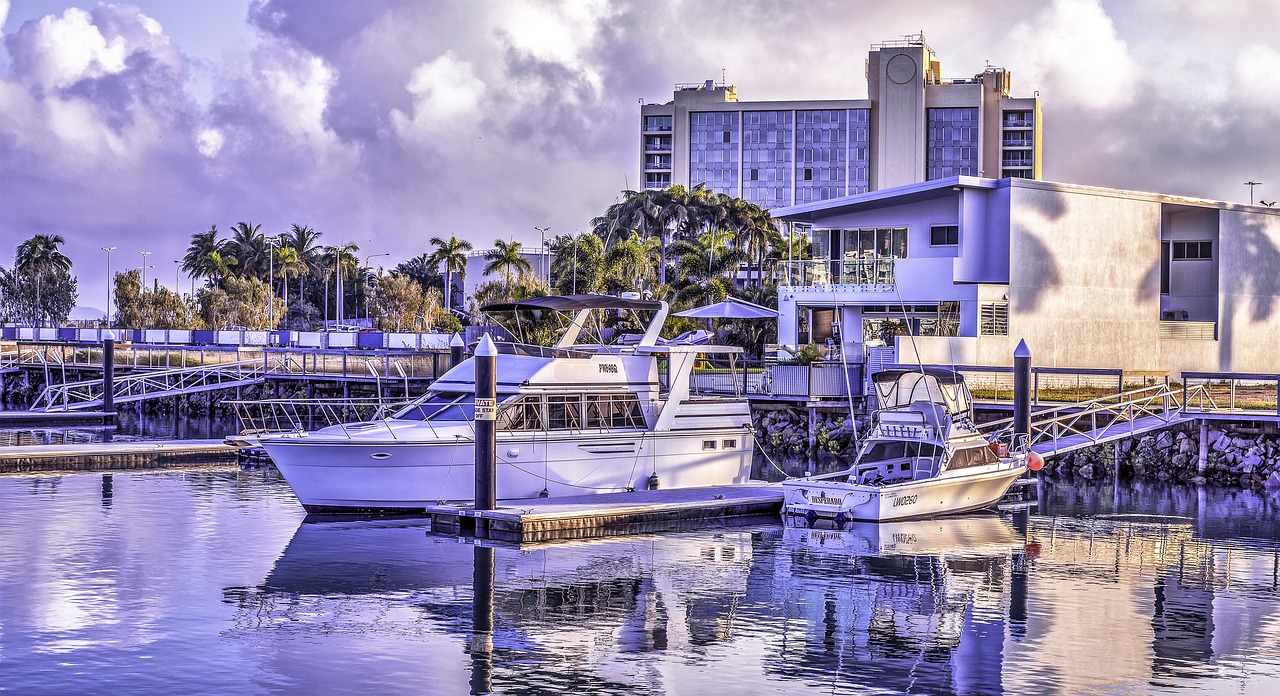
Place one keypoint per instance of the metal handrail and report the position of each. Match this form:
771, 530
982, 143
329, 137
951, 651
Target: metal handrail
1082, 419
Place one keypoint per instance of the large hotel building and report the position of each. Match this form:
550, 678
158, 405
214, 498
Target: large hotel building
915, 126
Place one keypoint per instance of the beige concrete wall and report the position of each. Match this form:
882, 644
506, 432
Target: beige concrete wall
1249, 291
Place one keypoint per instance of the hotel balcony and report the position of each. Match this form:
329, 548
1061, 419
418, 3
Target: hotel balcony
871, 272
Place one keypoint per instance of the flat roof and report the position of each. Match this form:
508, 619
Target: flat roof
910, 193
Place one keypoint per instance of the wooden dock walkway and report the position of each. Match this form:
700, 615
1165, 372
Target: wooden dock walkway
608, 514
107, 456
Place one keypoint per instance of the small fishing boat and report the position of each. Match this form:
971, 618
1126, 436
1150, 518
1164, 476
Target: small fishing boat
922, 457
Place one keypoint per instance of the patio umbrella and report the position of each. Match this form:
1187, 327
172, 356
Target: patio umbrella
730, 309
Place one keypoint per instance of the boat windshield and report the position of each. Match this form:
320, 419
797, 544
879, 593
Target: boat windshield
900, 449
441, 406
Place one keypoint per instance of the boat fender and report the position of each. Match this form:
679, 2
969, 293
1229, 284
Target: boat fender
1035, 462
653, 481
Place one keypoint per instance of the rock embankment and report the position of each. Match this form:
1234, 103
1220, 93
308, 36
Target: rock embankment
1237, 455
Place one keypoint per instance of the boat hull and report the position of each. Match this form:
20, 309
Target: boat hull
355, 475
943, 495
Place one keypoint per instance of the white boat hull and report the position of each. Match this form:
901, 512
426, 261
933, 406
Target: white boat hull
363, 473
835, 498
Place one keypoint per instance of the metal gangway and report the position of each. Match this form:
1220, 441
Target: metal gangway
141, 386
1070, 427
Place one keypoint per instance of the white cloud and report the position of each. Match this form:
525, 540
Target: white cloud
446, 98
292, 87
1071, 51
209, 142
1256, 71
59, 51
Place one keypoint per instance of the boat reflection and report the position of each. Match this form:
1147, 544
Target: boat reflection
909, 607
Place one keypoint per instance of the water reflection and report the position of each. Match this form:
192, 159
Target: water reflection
167, 583
130, 426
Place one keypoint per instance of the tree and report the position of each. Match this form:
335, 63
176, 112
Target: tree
341, 261
627, 265
453, 254
196, 262
246, 302
703, 265
38, 256
577, 263
290, 265
159, 308
423, 271
304, 241
18, 297
249, 247
220, 265
506, 257
397, 303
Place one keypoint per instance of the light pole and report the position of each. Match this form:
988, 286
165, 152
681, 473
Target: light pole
543, 270
366, 297
271, 283
145, 254
177, 266
108, 250
1251, 184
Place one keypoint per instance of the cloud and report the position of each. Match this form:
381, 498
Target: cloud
1070, 52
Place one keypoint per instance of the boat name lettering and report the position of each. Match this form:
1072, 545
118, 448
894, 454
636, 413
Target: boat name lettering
900, 538
824, 500
904, 500
611, 369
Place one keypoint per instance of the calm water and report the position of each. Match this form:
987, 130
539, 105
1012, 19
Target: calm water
211, 582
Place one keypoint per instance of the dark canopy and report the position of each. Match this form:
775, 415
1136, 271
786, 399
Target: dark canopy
942, 374
571, 303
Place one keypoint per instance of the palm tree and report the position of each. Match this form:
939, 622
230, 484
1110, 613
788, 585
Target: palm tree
305, 242
289, 266
628, 264
220, 265
342, 260
250, 248
506, 257
453, 254
196, 262
38, 256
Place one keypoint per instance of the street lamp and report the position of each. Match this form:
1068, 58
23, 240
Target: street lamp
108, 250
177, 266
145, 254
366, 297
543, 270
271, 284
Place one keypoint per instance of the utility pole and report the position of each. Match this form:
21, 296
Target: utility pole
108, 250
145, 254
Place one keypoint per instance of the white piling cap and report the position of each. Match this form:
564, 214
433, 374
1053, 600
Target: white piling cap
486, 347
108, 335
456, 341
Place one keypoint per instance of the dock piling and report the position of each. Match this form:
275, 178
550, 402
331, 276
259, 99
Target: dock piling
486, 361
1021, 391
108, 376
457, 351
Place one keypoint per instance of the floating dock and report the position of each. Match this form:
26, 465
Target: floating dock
107, 456
608, 514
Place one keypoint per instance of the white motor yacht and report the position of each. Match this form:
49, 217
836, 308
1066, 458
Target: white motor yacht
922, 457
572, 419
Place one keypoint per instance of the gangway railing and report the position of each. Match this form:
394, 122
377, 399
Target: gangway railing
1106, 418
141, 386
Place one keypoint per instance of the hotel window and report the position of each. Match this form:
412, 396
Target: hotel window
944, 235
657, 123
994, 318
1187, 251
657, 180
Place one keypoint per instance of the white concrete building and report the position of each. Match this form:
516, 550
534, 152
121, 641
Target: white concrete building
915, 125
1090, 277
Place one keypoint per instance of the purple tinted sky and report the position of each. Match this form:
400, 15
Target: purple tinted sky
385, 123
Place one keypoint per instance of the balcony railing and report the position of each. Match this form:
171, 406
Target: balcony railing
864, 272
1189, 330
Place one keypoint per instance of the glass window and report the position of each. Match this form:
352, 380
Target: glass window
713, 151
564, 411
1187, 251
944, 235
971, 456
952, 147
441, 406
524, 413
657, 123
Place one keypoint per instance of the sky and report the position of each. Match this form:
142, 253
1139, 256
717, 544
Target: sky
384, 123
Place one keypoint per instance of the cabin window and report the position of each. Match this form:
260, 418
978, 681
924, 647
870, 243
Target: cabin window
971, 456
708, 444
620, 411
524, 413
564, 412
730, 444
441, 406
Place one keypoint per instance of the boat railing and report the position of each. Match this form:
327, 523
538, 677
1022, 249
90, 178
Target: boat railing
269, 416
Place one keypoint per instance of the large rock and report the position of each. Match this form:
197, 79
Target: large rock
1273, 481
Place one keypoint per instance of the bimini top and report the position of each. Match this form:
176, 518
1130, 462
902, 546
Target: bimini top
901, 388
571, 303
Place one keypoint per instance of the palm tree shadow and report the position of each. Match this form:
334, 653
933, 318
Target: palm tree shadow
1251, 274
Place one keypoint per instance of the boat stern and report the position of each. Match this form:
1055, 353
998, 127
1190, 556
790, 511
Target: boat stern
830, 499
